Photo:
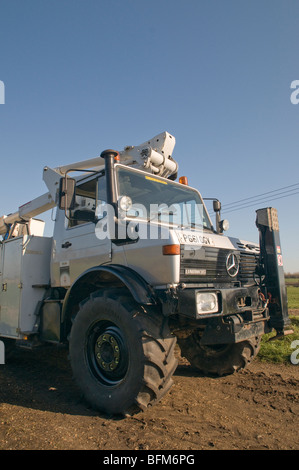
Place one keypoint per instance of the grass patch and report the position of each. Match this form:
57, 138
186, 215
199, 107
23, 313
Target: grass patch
292, 280
293, 296
279, 350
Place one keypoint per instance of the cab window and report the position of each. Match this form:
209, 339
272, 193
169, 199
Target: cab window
89, 195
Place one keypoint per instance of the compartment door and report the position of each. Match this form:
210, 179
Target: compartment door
11, 288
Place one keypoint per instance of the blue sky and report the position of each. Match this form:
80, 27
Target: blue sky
84, 75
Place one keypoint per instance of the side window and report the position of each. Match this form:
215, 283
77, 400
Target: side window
90, 198
85, 204
101, 197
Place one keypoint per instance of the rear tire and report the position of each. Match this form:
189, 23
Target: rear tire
121, 355
221, 359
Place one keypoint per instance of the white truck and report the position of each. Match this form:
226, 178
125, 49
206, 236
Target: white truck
135, 265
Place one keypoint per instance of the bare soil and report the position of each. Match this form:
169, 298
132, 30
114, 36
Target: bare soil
41, 408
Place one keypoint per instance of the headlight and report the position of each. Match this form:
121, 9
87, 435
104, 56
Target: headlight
206, 302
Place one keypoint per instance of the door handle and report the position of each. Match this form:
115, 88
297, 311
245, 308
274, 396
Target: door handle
66, 245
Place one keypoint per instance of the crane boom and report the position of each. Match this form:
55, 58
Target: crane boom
153, 156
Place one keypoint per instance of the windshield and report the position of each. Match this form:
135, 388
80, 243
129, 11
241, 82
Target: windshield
160, 200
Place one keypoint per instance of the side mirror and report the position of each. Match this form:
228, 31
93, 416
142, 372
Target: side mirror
216, 205
221, 225
67, 192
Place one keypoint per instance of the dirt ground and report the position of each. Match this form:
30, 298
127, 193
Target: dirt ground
42, 409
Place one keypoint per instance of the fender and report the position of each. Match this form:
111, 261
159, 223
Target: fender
111, 275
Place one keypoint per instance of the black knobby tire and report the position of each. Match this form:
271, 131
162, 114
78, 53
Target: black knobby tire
223, 359
122, 355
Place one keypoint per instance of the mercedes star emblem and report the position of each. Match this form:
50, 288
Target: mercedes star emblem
232, 265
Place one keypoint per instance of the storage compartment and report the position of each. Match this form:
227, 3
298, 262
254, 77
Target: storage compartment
25, 276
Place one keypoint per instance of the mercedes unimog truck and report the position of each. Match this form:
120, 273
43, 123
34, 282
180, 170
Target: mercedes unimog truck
135, 267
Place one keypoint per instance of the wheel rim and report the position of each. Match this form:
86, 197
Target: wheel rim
107, 353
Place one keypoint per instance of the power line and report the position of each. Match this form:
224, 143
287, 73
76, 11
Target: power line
226, 206
258, 199
260, 202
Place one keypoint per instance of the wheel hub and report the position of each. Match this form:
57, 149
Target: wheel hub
107, 352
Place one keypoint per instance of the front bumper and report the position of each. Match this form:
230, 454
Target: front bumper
230, 301
240, 316
233, 329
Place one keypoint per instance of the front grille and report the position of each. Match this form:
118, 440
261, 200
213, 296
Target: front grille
248, 264
210, 266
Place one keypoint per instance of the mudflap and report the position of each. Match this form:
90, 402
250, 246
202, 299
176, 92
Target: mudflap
233, 329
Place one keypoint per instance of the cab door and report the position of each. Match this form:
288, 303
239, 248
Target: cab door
78, 247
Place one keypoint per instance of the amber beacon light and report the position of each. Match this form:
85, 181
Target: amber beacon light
183, 180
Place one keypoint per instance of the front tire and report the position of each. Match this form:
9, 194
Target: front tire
121, 355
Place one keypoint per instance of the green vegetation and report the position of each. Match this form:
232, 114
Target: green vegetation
279, 350
293, 296
292, 275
